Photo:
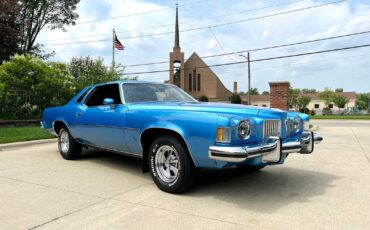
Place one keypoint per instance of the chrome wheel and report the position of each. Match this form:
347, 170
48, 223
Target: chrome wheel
167, 163
64, 141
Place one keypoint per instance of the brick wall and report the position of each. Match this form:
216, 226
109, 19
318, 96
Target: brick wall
279, 95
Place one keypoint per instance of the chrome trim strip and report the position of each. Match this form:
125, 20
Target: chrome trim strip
241, 153
303, 145
317, 138
95, 125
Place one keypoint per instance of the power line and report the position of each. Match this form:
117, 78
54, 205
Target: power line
183, 23
310, 53
259, 60
265, 48
206, 27
297, 64
139, 13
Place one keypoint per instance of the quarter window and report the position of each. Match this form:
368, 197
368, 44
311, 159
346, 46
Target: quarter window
79, 100
99, 93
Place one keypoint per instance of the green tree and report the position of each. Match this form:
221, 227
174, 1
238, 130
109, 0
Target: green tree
363, 101
254, 91
10, 29
235, 99
293, 97
265, 93
305, 90
339, 90
87, 71
31, 84
340, 101
303, 102
361, 104
36, 15
327, 96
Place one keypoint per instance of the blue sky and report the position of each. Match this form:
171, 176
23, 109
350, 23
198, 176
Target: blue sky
346, 69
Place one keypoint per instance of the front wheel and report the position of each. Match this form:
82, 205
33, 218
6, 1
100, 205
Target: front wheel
171, 167
68, 147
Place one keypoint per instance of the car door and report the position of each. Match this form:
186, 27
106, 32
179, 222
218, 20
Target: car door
100, 125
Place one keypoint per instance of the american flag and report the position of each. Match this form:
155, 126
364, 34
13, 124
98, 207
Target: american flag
117, 44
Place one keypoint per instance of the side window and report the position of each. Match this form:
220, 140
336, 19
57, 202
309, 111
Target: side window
82, 96
99, 93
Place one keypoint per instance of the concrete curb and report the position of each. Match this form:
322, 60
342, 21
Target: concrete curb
26, 143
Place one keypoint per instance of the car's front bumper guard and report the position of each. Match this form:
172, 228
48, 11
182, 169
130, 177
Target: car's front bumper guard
271, 151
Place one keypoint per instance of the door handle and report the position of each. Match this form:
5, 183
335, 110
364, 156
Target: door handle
78, 114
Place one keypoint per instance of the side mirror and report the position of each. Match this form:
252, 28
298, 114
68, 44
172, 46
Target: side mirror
108, 101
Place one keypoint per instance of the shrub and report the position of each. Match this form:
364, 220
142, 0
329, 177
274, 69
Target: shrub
203, 98
304, 110
235, 99
326, 111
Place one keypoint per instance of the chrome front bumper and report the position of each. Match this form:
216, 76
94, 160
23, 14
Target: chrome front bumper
271, 151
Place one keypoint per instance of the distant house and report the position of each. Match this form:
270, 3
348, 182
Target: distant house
316, 103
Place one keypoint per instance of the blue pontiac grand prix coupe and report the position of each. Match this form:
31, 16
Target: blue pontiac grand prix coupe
173, 133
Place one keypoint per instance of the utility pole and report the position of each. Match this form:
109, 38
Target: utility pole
249, 75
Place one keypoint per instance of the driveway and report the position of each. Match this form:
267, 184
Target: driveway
328, 189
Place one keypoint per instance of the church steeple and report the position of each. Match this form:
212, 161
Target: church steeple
177, 37
177, 64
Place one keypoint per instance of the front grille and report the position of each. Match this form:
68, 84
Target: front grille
271, 128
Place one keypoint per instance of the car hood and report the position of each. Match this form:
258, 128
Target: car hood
221, 108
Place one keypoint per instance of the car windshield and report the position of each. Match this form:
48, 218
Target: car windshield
141, 92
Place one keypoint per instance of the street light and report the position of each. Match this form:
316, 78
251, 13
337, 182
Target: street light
249, 76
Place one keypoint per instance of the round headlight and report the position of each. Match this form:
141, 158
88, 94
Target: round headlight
244, 129
296, 124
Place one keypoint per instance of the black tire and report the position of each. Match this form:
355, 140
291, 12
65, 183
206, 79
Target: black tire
186, 171
74, 149
249, 168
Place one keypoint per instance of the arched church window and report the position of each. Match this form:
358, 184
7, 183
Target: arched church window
194, 80
190, 82
177, 72
198, 81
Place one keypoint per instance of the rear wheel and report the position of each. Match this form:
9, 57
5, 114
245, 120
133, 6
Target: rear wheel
171, 167
250, 168
68, 147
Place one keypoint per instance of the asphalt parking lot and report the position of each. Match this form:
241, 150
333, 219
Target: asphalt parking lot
328, 189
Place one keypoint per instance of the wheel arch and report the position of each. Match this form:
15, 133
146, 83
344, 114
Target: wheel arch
58, 125
149, 135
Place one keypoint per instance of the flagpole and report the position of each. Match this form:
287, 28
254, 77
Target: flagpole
113, 50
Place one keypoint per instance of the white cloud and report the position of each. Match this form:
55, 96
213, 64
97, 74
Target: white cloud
304, 25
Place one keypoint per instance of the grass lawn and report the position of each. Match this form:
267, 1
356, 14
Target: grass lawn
15, 134
359, 117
